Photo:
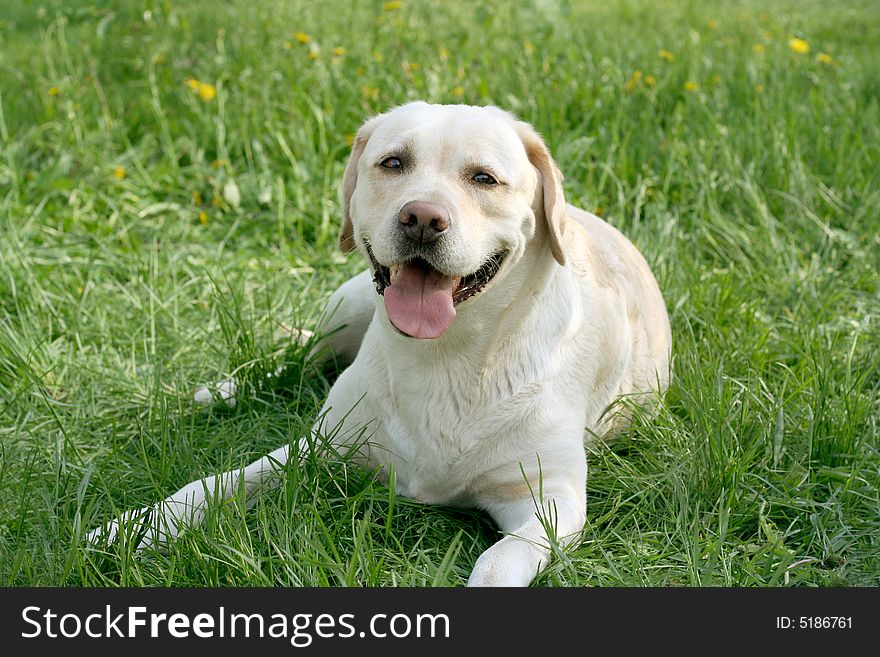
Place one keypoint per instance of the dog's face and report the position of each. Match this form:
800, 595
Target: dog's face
443, 200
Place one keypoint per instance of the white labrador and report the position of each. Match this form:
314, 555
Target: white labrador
491, 334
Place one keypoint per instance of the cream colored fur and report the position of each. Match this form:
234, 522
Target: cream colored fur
495, 413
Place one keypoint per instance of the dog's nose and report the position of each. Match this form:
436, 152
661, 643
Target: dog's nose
423, 222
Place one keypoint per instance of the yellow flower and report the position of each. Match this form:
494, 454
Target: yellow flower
207, 92
196, 197
204, 90
758, 48
349, 139
53, 91
665, 54
392, 6
378, 57
799, 46
313, 54
713, 24
458, 92
599, 211
650, 81
759, 88
370, 92
203, 217
528, 47
302, 37
119, 172
633, 80
339, 51
690, 85
444, 54
824, 58
412, 66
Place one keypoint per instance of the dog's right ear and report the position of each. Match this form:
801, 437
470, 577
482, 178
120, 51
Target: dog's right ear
349, 182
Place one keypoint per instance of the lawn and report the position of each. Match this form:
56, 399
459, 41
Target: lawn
168, 203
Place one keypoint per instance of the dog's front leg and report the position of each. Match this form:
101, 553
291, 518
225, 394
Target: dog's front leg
531, 524
157, 525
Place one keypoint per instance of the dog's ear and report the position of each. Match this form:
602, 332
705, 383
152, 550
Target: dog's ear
551, 183
349, 182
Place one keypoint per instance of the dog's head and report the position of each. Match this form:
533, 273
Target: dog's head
444, 200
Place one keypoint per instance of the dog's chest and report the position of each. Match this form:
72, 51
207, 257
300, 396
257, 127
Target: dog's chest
426, 459
439, 445
445, 423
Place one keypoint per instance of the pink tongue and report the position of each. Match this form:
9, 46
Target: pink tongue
419, 302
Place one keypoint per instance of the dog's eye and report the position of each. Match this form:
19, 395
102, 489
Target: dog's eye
391, 163
484, 179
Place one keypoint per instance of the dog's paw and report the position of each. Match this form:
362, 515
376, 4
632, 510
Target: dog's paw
154, 527
299, 335
511, 561
227, 389
224, 391
135, 527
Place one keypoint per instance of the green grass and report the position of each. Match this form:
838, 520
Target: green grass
128, 277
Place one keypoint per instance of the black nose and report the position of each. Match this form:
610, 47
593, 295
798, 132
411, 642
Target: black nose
423, 222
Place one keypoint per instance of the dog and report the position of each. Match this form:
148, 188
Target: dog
488, 340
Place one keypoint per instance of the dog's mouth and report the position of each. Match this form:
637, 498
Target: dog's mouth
465, 288
420, 299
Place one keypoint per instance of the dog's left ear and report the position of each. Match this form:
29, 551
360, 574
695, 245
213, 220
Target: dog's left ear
349, 182
551, 182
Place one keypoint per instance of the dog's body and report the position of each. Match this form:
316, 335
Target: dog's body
493, 331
